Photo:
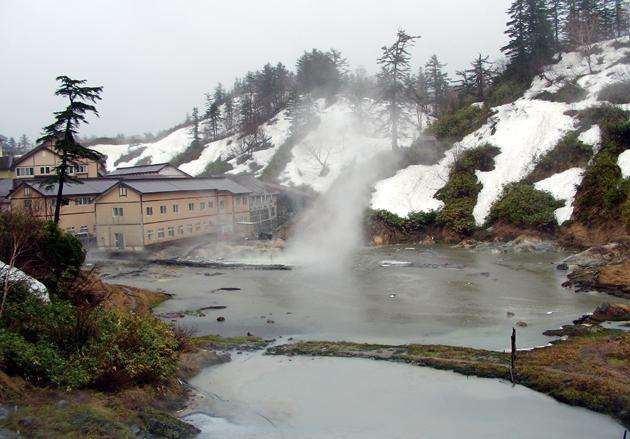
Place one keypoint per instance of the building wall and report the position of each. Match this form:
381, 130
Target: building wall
75, 218
7, 173
46, 159
129, 224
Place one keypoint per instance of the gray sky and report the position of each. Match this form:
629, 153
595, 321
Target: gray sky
156, 58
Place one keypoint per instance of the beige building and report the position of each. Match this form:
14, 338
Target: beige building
130, 214
42, 160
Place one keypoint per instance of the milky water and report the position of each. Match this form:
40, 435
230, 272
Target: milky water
397, 294
271, 397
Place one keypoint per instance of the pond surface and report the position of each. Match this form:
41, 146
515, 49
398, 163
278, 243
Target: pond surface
392, 295
258, 396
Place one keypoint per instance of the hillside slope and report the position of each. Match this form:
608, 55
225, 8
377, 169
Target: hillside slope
523, 131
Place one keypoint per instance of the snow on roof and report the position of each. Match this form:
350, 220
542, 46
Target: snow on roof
563, 186
16, 275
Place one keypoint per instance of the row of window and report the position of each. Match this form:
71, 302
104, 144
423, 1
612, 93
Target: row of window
26, 171
181, 230
191, 207
83, 230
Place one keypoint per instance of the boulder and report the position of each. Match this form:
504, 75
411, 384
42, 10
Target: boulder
615, 312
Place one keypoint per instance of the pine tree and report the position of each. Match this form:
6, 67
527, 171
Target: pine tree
557, 11
194, 131
228, 113
419, 94
437, 83
302, 113
219, 94
24, 144
214, 119
393, 79
61, 133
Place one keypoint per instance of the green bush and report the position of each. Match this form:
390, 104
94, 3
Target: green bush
570, 152
61, 345
569, 93
524, 206
505, 92
415, 221
617, 93
456, 125
479, 158
216, 167
63, 253
605, 116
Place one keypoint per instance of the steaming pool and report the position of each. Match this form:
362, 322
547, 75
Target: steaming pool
391, 295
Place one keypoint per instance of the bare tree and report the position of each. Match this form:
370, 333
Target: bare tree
249, 144
321, 155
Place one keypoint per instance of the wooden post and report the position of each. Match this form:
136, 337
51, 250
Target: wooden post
513, 358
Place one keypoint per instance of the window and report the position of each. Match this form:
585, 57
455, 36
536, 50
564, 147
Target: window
122, 191
83, 229
244, 201
82, 169
191, 206
180, 230
189, 228
160, 234
149, 211
198, 227
221, 204
24, 171
238, 201
210, 204
202, 206
27, 191
171, 231
150, 235
118, 211
44, 169
27, 204
80, 201
162, 210
176, 208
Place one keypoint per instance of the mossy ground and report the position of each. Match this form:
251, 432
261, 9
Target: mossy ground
230, 343
591, 371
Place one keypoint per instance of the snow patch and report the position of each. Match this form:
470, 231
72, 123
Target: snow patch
563, 186
592, 136
15, 275
624, 163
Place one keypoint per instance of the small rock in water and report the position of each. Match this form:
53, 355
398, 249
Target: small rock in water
564, 266
249, 334
270, 321
392, 296
220, 319
395, 264
510, 314
521, 324
549, 313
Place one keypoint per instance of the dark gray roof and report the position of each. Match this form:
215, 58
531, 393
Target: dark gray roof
6, 162
151, 186
142, 169
90, 186
6, 184
252, 183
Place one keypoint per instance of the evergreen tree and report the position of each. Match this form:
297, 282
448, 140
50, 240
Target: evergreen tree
393, 79
621, 18
228, 113
302, 113
556, 10
318, 73
437, 84
419, 94
531, 39
24, 144
214, 119
61, 133
194, 131
219, 94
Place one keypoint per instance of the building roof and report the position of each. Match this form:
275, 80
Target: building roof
252, 183
6, 184
142, 169
47, 146
6, 162
90, 186
152, 186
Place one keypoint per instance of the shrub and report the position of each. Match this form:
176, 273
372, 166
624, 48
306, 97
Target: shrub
481, 158
602, 190
216, 167
63, 253
59, 344
617, 93
522, 205
506, 91
569, 93
570, 152
415, 221
605, 116
457, 125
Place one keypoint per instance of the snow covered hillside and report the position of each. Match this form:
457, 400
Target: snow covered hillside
522, 130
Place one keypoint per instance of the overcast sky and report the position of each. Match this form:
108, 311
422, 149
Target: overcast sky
156, 58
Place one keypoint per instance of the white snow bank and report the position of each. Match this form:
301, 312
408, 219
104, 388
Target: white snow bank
15, 275
624, 163
339, 140
592, 136
113, 153
277, 129
563, 186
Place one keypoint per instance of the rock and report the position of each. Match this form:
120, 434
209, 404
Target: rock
521, 324
510, 314
377, 241
249, 334
563, 266
162, 424
270, 321
573, 330
467, 243
220, 319
25, 422
616, 312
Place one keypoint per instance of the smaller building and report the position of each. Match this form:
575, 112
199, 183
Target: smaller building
165, 170
41, 161
263, 210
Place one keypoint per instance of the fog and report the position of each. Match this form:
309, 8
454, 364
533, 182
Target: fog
155, 59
